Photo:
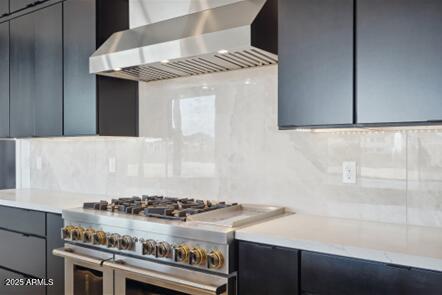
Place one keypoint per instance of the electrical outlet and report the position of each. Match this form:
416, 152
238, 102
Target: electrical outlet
112, 165
349, 172
39, 163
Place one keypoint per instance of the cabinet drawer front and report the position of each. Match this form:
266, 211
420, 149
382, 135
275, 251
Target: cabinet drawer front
17, 290
25, 254
30, 222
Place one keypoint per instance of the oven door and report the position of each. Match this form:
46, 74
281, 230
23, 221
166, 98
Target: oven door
136, 277
85, 273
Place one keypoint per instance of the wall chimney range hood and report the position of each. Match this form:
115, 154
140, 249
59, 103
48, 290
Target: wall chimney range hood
240, 34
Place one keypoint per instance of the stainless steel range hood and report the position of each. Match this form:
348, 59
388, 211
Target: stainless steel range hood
237, 35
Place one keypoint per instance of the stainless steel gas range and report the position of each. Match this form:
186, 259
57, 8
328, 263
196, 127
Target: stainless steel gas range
154, 245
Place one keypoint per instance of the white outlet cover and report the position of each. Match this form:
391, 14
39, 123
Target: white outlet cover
349, 172
112, 165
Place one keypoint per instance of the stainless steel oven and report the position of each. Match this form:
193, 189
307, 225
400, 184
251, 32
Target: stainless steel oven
136, 277
85, 273
91, 272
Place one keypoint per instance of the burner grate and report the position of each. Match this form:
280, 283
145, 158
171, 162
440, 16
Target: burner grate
157, 206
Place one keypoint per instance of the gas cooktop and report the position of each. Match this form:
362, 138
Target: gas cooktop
158, 206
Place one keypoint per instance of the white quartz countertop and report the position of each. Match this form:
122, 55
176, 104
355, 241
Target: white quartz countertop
46, 201
414, 246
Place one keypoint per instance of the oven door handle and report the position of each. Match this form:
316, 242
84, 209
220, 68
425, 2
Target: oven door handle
168, 281
69, 253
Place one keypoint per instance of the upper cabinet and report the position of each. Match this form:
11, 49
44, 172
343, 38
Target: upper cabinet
4, 7
4, 79
315, 62
102, 105
79, 86
45, 86
399, 61
22, 4
36, 71
363, 62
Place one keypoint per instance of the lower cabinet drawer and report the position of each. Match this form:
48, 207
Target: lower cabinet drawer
7, 276
25, 254
24, 221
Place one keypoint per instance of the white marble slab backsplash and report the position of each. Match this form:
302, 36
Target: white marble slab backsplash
216, 136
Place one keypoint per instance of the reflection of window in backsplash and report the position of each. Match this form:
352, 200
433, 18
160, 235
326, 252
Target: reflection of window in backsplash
198, 115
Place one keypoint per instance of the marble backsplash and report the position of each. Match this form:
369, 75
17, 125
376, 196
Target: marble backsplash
216, 136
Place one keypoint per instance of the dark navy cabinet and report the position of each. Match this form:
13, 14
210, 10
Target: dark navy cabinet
267, 270
315, 62
329, 274
36, 63
399, 61
4, 79
359, 62
94, 104
27, 240
45, 87
4, 7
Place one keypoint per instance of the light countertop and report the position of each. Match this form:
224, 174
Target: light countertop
46, 201
414, 246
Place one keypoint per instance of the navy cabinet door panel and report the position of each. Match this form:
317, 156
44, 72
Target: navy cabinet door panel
48, 85
399, 61
36, 96
335, 275
79, 86
4, 79
267, 270
315, 62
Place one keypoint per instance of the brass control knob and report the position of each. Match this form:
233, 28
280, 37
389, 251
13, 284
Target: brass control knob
182, 253
149, 247
163, 249
215, 259
77, 233
88, 235
112, 241
126, 243
198, 256
99, 238
66, 231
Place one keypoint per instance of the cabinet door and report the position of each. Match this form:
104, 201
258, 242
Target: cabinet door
399, 63
4, 7
267, 270
79, 86
36, 96
22, 68
48, 79
54, 264
21, 4
315, 62
329, 274
4, 79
